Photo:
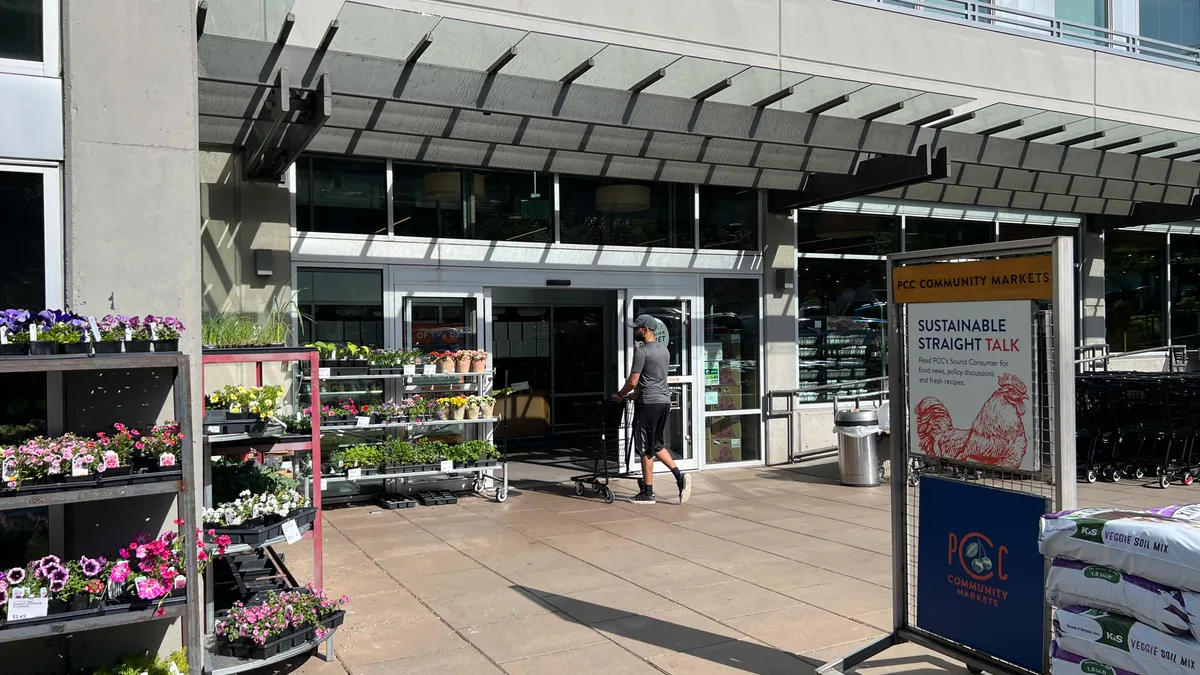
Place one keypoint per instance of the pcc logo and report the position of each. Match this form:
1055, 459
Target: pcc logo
976, 567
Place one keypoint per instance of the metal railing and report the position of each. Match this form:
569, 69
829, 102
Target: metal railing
1097, 358
1009, 19
790, 410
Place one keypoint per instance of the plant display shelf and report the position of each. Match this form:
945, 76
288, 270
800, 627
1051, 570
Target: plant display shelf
277, 442
435, 378
190, 608
480, 473
406, 425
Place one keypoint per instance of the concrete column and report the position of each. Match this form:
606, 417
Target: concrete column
132, 220
1091, 289
779, 327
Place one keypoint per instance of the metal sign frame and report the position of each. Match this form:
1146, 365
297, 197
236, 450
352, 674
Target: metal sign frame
1055, 405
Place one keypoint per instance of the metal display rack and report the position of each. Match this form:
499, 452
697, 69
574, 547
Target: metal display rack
261, 445
419, 382
191, 607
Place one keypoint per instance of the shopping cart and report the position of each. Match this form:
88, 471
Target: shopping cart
602, 457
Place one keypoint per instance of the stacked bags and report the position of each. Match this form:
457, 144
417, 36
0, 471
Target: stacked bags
1126, 588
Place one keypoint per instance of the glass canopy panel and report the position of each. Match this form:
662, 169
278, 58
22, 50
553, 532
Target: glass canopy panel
1042, 121
620, 67
689, 76
992, 116
380, 31
1089, 125
818, 91
1158, 137
469, 45
872, 99
550, 57
922, 106
755, 84
247, 19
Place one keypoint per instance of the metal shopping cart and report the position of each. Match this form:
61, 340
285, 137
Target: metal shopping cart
602, 458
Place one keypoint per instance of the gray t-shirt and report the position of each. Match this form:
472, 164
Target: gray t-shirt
652, 360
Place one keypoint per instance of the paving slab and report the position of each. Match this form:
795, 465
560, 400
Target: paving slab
531, 636
672, 630
732, 599
462, 661
391, 641
605, 658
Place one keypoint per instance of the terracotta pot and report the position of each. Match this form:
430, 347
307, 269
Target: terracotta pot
479, 365
472, 412
458, 413
445, 365
463, 364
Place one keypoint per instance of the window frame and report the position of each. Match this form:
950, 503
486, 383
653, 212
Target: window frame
52, 228
51, 63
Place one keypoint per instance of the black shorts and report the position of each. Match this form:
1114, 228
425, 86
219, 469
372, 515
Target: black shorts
649, 427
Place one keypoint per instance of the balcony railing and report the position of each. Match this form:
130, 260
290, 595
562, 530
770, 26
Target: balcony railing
1009, 19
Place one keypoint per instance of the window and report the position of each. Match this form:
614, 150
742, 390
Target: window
1185, 290
443, 323
842, 321
1133, 293
341, 195
428, 201
729, 218
731, 342
625, 213
23, 274
340, 306
21, 32
1174, 21
847, 233
925, 233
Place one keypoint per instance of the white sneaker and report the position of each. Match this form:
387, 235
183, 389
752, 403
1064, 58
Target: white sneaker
685, 488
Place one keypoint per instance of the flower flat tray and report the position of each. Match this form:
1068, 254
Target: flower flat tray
284, 643
217, 428
116, 608
393, 502
96, 481
437, 498
409, 468
259, 536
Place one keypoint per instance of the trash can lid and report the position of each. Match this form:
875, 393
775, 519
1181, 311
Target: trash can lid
856, 418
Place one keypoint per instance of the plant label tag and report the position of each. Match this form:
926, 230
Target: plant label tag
95, 328
27, 608
153, 330
32, 333
322, 372
362, 421
79, 468
429, 369
324, 484
410, 369
290, 532
9, 471
447, 465
3, 335
128, 334
173, 669
353, 474
166, 459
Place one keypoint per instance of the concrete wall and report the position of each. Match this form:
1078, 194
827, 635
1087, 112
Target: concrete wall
131, 212
827, 38
779, 327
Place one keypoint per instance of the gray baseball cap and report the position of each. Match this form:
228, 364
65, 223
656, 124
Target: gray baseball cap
645, 321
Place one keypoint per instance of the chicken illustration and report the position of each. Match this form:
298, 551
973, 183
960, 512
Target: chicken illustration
996, 437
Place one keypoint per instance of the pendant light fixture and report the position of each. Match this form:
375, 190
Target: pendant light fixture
623, 198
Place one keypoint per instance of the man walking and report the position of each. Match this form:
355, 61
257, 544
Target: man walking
648, 378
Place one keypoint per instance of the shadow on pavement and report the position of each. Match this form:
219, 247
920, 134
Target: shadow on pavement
698, 644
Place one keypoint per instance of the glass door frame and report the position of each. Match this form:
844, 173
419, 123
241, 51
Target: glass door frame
625, 303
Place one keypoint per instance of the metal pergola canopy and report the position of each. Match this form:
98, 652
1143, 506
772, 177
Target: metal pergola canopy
392, 83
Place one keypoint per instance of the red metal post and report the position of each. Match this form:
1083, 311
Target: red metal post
315, 416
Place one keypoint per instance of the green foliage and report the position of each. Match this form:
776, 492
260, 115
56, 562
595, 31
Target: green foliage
476, 450
230, 477
359, 456
397, 452
63, 333
325, 350
145, 664
430, 452
236, 329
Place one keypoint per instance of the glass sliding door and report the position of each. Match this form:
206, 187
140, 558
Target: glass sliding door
675, 318
732, 409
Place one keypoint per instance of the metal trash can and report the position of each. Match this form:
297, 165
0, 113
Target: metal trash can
858, 450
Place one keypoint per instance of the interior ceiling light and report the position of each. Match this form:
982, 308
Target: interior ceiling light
447, 185
623, 198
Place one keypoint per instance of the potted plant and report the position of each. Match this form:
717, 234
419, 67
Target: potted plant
445, 361
164, 332
479, 361
162, 446
455, 406
396, 453
14, 324
68, 335
487, 407
479, 453
112, 334
282, 622
138, 340
365, 457
354, 360
471, 411
462, 360
115, 452
86, 584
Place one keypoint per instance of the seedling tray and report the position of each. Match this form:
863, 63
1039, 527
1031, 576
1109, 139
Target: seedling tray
260, 535
393, 502
437, 498
409, 468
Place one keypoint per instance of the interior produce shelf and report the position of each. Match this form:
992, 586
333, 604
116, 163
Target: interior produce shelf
188, 607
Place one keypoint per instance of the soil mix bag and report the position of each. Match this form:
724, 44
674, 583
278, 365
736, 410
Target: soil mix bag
1063, 662
1162, 545
1124, 643
1072, 583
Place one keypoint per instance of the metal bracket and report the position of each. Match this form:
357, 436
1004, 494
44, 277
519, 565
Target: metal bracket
289, 120
1149, 213
878, 174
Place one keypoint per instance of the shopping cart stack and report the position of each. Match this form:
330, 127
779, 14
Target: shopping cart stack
1125, 586
601, 457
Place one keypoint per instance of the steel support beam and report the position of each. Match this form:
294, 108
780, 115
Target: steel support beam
289, 121
1146, 213
872, 175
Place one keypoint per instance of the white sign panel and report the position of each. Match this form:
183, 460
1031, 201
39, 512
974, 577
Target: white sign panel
970, 380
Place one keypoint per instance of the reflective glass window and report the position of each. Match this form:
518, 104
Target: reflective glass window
625, 213
1133, 291
335, 194
728, 218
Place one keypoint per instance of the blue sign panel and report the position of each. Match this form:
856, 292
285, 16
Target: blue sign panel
980, 577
